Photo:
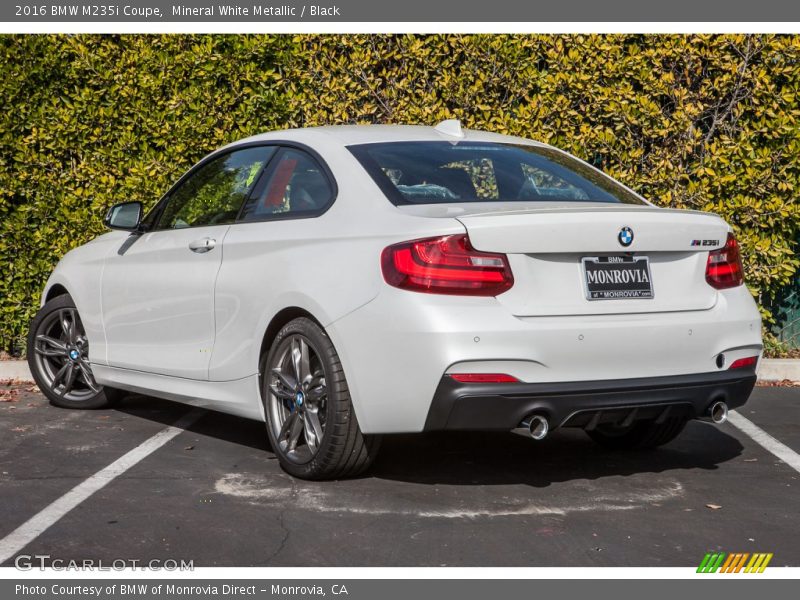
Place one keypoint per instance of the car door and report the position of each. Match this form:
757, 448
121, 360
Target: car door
158, 287
271, 255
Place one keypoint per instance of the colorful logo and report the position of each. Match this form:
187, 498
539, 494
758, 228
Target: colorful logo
625, 236
736, 562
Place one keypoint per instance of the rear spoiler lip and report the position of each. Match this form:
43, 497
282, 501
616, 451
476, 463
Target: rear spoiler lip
559, 232
469, 209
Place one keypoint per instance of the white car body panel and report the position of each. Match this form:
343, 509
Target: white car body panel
158, 289
581, 230
259, 254
189, 327
80, 272
431, 337
232, 397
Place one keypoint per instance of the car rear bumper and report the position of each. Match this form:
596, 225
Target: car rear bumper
503, 406
396, 349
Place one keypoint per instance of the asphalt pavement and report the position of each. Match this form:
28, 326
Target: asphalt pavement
214, 493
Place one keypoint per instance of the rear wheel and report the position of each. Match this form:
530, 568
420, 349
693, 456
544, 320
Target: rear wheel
310, 418
639, 435
58, 357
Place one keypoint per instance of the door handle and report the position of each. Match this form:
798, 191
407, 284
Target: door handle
203, 245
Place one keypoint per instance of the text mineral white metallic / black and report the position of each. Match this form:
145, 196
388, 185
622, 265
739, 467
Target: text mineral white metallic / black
340, 283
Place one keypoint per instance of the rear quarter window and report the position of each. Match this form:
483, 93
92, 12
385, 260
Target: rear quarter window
294, 185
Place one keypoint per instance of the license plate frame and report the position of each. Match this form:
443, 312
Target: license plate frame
625, 286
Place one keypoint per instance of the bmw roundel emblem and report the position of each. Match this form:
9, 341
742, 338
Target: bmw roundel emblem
625, 236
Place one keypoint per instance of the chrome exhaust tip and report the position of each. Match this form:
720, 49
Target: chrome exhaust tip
718, 413
535, 427
538, 427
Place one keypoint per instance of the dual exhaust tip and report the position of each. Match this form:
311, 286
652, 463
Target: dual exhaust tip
536, 427
717, 413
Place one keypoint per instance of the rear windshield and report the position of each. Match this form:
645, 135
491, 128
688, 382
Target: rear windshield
445, 172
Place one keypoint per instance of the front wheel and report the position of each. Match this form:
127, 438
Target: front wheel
58, 357
311, 423
638, 436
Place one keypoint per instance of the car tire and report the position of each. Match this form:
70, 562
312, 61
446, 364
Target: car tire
66, 380
321, 399
639, 436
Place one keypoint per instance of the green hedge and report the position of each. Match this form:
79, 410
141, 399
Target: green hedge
703, 122
94, 120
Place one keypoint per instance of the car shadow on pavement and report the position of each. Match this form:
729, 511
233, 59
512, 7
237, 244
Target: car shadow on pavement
500, 458
479, 458
228, 428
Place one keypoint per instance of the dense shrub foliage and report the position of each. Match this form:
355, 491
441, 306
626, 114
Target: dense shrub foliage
89, 121
700, 122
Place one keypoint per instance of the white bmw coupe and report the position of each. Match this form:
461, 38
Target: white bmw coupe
339, 283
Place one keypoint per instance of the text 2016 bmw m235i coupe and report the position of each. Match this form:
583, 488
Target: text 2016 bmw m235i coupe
339, 283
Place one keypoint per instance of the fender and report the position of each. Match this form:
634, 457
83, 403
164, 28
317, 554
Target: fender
80, 273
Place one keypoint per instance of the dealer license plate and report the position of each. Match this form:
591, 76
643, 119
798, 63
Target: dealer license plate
617, 277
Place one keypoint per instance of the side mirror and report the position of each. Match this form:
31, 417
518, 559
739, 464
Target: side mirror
126, 216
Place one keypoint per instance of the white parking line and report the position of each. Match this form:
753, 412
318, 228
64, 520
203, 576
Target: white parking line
48, 516
765, 440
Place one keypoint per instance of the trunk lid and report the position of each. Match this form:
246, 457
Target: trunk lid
547, 244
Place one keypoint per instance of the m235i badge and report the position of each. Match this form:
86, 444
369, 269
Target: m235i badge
705, 243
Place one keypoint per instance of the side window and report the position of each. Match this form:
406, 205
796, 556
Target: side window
294, 184
214, 194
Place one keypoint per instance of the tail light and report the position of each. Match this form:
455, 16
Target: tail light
483, 378
446, 265
743, 363
724, 266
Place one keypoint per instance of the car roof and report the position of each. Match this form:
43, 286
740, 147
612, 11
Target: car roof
347, 135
